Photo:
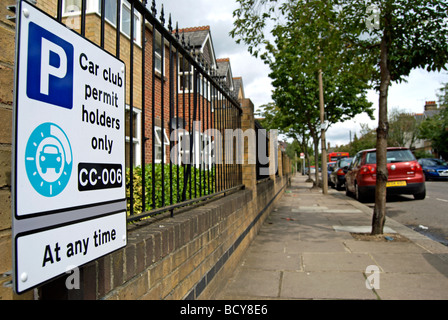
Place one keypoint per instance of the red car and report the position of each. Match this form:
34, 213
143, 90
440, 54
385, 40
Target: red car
405, 174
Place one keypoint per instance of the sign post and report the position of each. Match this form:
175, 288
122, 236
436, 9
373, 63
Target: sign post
69, 196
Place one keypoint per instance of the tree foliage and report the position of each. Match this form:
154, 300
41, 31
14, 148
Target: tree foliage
304, 39
407, 34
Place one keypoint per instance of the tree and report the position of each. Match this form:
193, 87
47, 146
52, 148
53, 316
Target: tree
404, 35
304, 43
403, 129
408, 34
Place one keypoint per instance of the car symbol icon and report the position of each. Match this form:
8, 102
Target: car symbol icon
50, 157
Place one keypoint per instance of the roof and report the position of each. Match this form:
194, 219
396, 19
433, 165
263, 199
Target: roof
196, 35
201, 40
238, 85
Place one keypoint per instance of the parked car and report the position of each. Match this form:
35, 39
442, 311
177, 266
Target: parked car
405, 174
330, 168
434, 169
337, 177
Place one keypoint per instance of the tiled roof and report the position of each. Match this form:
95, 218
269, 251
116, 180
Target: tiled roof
196, 35
223, 66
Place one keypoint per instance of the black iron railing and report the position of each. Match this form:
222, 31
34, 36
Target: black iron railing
177, 107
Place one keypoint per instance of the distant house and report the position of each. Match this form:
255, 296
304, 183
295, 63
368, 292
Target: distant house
430, 110
238, 88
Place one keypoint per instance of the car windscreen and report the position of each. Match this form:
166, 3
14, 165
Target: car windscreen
392, 156
345, 162
434, 162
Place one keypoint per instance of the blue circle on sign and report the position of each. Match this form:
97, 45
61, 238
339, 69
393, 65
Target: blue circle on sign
48, 159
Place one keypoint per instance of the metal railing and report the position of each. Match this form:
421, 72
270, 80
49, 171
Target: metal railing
177, 107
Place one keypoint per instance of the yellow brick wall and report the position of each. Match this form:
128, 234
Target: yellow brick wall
7, 45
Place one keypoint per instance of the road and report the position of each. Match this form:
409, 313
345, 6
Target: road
430, 213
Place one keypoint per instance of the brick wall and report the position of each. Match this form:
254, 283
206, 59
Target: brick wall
7, 40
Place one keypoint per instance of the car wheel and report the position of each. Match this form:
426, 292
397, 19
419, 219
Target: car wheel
360, 196
420, 195
347, 192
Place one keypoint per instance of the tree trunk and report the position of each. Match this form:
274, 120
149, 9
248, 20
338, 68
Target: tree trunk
379, 211
316, 159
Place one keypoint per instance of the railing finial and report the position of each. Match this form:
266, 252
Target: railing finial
153, 8
162, 16
183, 40
170, 25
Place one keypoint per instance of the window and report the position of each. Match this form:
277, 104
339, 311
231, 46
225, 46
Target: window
183, 146
158, 53
136, 137
185, 75
126, 22
73, 7
158, 144
110, 10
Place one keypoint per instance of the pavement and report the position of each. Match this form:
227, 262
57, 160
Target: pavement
306, 249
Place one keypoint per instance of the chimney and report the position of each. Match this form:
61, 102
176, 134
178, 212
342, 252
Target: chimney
430, 105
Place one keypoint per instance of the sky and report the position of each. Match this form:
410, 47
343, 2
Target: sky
421, 85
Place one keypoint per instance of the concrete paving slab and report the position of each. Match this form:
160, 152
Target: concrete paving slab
253, 283
402, 286
343, 210
268, 246
315, 246
325, 285
273, 261
411, 263
337, 261
383, 247
360, 229
309, 208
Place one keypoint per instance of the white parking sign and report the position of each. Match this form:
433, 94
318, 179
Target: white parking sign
69, 149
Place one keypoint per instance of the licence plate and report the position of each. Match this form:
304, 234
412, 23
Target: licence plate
396, 184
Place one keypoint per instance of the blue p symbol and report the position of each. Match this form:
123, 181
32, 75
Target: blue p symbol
50, 68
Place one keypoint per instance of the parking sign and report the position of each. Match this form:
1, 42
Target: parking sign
69, 196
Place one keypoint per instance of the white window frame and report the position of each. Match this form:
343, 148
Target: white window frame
136, 141
190, 82
188, 74
158, 55
93, 6
137, 25
158, 144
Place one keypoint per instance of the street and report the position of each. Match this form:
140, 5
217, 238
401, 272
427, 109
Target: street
428, 216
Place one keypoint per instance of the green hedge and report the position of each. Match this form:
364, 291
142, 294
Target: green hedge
202, 180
